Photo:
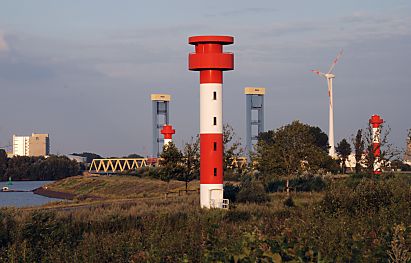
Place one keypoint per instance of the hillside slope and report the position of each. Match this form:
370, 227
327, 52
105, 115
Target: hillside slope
117, 186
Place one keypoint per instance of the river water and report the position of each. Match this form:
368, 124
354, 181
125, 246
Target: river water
22, 199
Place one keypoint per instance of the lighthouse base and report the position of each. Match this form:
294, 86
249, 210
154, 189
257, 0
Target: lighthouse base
212, 196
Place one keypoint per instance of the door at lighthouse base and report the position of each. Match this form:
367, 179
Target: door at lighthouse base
217, 200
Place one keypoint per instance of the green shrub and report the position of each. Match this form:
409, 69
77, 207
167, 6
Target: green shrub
237, 216
306, 183
368, 196
289, 202
231, 192
150, 172
276, 185
7, 228
252, 192
232, 176
311, 184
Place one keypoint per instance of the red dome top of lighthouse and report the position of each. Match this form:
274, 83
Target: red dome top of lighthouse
376, 120
209, 53
168, 131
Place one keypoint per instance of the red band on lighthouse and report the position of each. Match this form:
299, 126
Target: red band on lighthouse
211, 158
211, 61
211, 76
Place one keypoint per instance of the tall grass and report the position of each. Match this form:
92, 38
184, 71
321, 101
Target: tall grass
347, 223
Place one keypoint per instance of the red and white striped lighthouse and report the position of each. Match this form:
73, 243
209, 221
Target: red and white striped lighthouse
168, 132
376, 122
211, 61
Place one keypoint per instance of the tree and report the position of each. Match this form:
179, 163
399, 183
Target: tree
320, 138
3, 162
267, 137
134, 155
191, 161
19, 168
232, 149
40, 168
344, 150
359, 148
292, 149
170, 163
54, 167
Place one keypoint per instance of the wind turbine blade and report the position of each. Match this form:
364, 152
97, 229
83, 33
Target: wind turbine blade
318, 72
335, 61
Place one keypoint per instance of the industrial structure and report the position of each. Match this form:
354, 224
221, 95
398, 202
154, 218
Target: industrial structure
117, 165
376, 122
168, 132
254, 101
211, 61
329, 77
34, 145
160, 105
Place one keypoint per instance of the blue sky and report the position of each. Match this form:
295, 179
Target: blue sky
83, 70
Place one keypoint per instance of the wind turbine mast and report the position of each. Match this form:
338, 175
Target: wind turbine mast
331, 151
329, 77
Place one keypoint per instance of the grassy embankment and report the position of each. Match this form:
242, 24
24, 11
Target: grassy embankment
118, 187
91, 190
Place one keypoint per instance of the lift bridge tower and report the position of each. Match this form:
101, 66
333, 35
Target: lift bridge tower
254, 115
161, 108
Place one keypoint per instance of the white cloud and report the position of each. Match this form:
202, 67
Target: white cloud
3, 43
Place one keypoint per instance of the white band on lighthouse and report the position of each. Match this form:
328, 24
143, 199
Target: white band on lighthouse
376, 135
211, 195
211, 108
167, 141
377, 164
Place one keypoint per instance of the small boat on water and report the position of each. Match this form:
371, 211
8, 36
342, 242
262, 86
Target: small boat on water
8, 190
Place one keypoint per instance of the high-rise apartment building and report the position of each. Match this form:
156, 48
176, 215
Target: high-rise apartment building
20, 145
34, 145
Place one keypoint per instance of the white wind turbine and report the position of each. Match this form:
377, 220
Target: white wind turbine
329, 77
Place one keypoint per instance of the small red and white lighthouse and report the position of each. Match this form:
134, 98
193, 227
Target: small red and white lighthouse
376, 122
168, 132
211, 61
